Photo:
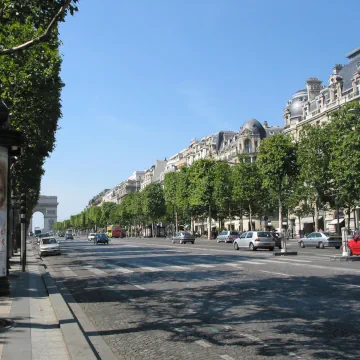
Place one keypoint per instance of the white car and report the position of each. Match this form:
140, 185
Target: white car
254, 240
91, 236
49, 246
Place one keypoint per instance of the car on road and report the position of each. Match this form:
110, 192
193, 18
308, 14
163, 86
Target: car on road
254, 240
61, 234
49, 246
101, 239
354, 245
227, 236
69, 237
321, 240
183, 237
40, 236
91, 236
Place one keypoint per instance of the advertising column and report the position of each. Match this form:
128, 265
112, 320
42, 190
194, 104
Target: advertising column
3, 209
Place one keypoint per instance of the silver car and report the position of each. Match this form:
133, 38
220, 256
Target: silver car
321, 240
49, 246
254, 240
227, 236
183, 237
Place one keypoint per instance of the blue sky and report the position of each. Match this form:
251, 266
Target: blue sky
145, 77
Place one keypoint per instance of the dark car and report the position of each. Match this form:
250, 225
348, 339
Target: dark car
101, 239
69, 237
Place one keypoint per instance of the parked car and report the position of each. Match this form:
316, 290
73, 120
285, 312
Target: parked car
321, 240
101, 239
49, 246
254, 240
183, 237
69, 237
91, 236
277, 239
354, 245
40, 236
61, 234
227, 236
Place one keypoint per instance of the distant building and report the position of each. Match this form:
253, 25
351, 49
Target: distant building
131, 185
155, 174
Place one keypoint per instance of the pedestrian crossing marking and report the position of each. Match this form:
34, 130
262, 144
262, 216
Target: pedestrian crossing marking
150, 268
68, 272
179, 267
251, 262
204, 265
95, 270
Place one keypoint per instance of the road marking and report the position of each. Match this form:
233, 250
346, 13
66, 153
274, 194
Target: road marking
203, 343
132, 300
68, 272
150, 268
120, 269
95, 270
139, 287
178, 330
350, 285
179, 267
236, 265
251, 262
226, 357
205, 265
274, 273
296, 260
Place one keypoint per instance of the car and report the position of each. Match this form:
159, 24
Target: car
277, 239
354, 245
40, 236
48, 246
254, 240
227, 236
61, 234
321, 240
101, 238
31, 233
91, 236
69, 237
183, 237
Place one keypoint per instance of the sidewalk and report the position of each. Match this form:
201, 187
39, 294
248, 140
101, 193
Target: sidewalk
35, 331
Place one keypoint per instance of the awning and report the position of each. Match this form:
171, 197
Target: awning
335, 221
309, 220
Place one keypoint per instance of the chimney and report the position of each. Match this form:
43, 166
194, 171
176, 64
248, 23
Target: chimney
337, 68
265, 124
313, 86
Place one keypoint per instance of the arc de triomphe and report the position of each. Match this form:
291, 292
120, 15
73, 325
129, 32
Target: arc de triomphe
48, 206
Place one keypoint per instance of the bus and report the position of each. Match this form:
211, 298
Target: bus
113, 231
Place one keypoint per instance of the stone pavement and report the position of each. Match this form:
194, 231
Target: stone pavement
35, 331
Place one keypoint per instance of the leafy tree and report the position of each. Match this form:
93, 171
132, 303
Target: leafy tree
277, 165
345, 155
313, 158
106, 210
182, 196
201, 187
170, 185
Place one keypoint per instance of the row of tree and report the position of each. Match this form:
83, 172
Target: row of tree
317, 172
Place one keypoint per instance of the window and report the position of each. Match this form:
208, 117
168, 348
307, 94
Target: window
243, 236
264, 234
223, 233
234, 233
311, 235
249, 235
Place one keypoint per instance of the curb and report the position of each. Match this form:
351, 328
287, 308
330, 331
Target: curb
75, 341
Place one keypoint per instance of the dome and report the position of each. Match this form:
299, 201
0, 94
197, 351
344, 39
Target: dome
254, 127
297, 102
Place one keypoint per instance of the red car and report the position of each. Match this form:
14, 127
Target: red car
354, 245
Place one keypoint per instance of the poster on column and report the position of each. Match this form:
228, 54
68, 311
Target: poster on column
3, 208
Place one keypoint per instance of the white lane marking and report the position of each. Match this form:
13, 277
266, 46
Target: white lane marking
203, 343
205, 265
251, 262
139, 287
150, 268
95, 270
178, 330
226, 357
253, 338
274, 273
120, 269
297, 260
344, 284
68, 272
236, 265
179, 267
132, 300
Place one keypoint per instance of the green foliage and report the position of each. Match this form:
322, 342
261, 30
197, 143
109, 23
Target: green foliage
153, 202
223, 186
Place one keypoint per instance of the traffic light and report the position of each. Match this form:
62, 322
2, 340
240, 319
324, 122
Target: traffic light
23, 203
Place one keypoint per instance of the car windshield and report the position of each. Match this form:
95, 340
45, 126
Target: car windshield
234, 233
92, 234
102, 236
48, 241
264, 234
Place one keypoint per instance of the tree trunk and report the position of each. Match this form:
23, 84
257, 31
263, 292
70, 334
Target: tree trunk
209, 223
229, 219
176, 222
355, 218
250, 217
349, 212
152, 230
316, 214
283, 248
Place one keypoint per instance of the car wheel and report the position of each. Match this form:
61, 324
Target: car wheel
337, 247
193, 242
236, 246
107, 243
280, 247
350, 252
217, 241
173, 241
301, 244
181, 242
321, 245
252, 247
41, 254
271, 249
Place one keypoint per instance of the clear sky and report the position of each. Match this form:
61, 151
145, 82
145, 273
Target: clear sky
145, 77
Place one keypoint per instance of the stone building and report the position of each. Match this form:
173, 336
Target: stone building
131, 185
155, 174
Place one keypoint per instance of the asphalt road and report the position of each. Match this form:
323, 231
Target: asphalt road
151, 299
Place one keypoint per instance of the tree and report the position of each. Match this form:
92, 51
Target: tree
153, 202
31, 84
247, 187
345, 155
170, 184
313, 158
201, 187
277, 165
